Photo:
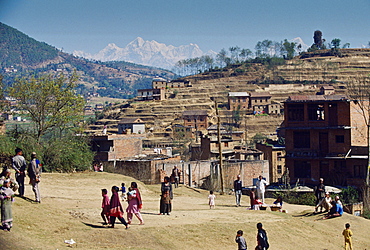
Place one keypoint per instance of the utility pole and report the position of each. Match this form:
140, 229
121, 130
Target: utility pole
219, 149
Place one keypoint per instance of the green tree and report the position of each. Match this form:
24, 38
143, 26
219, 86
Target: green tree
50, 101
288, 49
335, 43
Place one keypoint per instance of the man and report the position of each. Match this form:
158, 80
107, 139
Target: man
19, 164
262, 240
261, 184
238, 190
320, 193
176, 176
34, 172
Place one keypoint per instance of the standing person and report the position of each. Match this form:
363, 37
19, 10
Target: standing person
115, 207
238, 190
19, 164
134, 204
261, 184
34, 172
262, 241
211, 200
6, 198
176, 175
123, 190
242, 244
252, 197
347, 233
166, 187
320, 194
6, 176
105, 206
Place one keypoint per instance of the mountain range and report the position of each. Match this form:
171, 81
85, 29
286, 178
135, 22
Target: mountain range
150, 53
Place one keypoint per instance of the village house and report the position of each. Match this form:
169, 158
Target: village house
259, 101
238, 101
195, 118
275, 154
327, 90
131, 126
325, 136
151, 94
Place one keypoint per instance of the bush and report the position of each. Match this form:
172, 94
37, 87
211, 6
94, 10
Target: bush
349, 195
297, 198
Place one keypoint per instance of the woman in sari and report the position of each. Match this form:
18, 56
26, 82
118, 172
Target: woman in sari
166, 190
6, 197
116, 210
134, 204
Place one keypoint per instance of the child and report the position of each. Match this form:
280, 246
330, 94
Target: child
105, 206
242, 244
123, 190
262, 241
166, 201
211, 200
347, 233
131, 193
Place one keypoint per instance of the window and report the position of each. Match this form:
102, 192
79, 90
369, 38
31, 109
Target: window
244, 100
189, 120
301, 139
234, 100
316, 112
359, 171
279, 169
339, 138
302, 169
295, 112
226, 144
278, 156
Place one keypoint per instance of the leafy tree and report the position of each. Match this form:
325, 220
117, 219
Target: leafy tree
288, 49
319, 42
51, 102
335, 43
245, 54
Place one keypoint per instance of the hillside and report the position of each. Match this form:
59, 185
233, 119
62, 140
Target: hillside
302, 75
70, 209
21, 55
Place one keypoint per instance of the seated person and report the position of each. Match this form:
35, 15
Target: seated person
325, 203
335, 211
278, 202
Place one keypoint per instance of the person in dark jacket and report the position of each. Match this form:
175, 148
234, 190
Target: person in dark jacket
262, 240
238, 190
320, 194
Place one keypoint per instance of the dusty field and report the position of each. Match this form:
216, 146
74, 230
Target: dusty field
70, 208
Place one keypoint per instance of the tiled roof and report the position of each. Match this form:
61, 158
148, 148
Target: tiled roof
130, 120
194, 112
260, 94
310, 98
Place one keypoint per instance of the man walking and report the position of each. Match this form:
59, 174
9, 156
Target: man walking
19, 164
176, 176
261, 184
320, 194
34, 172
238, 190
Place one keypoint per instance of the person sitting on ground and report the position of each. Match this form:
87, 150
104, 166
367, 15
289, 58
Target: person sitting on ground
326, 202
337, 200
279, 202
335, 211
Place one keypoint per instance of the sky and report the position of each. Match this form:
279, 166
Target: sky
90, 25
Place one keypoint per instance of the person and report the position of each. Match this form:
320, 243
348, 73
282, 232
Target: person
176, 176
242, 244
6, 198
335, 211
115, 208
252, 197
238, 190
123, 190
34, 172
6, 175
320, 194
262, 240
325, 203
261, 184
166, 187
101, 167
19, 165
105, 206
347, 233
337, 201
134, 202
211, 199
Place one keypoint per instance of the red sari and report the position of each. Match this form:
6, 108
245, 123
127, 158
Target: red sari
115, 206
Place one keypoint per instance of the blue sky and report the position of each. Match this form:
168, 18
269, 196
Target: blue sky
90, 25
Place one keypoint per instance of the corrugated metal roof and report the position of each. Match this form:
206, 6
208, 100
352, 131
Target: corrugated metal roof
238, 94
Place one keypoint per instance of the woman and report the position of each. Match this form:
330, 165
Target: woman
165, 203
116, 208
6, 198
134, 204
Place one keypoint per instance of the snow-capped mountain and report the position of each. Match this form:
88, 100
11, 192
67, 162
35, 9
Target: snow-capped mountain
151, 53
299, 41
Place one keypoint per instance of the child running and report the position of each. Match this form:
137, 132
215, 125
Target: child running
242, 244
105, 206
347, 233
123, 190
211, 200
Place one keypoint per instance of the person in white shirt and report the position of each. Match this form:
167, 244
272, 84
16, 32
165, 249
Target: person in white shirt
261, 183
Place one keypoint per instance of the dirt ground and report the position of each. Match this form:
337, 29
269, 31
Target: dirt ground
70, 209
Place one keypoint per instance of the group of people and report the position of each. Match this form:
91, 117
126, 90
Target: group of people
112, 208
334, 208
257, 196
9, 186
262, 240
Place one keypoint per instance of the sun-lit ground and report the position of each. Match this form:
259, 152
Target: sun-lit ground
70, 209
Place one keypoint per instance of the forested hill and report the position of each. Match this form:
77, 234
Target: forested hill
21, 55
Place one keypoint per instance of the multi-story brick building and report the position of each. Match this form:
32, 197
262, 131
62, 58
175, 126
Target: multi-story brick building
325, 136
275, 154
259, 101
196, 118
238, 101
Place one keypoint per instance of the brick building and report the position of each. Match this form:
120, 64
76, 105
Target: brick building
259, 101
238, 101
131, 125
151, 94
195, 118
325, 136
275, 154
116, 147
